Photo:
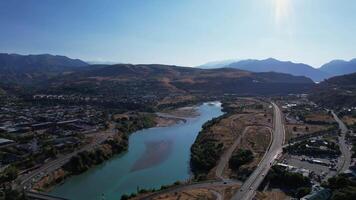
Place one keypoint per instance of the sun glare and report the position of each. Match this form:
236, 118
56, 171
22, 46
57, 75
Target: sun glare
282, 10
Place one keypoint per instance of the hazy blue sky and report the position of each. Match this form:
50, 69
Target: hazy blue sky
181, 32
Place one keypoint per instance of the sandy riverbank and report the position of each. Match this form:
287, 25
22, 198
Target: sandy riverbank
171, 117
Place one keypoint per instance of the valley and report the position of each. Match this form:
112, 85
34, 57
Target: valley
103, 131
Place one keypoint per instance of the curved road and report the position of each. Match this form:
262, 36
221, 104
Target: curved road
226, 156
345, 161
247, 190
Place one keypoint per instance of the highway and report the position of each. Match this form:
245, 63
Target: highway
345, 157
247, 190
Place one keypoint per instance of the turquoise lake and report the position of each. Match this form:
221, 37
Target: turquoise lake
156, 156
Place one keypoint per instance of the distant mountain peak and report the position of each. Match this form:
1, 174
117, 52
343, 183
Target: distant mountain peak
339, 67
275, 65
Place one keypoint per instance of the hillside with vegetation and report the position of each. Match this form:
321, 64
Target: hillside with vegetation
126, 79
336, 92
29, 69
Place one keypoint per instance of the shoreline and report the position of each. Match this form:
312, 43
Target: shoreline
164, 119
171, 117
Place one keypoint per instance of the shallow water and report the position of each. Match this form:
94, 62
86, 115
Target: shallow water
156, 156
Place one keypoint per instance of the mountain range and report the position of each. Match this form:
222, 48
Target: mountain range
333, 68
154, 79
339, 67
28, 68
59, 74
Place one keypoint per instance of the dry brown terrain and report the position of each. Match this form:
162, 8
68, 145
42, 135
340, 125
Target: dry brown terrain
269, 195
303, 129
256, 138
349, 120
315, 117
165, 121
49, 180
176, 99
196, 194
184, 112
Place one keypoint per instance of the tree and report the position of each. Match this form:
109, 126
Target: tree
302, 191
9, 174
240, 158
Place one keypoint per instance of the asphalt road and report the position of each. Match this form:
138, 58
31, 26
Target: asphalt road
247, 190
345, 158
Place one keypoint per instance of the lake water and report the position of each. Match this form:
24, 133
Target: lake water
156, 156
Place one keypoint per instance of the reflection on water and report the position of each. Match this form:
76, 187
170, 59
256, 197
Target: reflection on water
155, 153
155, 157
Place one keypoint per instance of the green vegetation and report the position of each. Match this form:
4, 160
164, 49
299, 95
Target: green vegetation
135, 122
240, 157
9, 174
244, 172
6, 177
6, 193
178, 104
313, 149
337, 92
86, 159
342, 187
293, 184
205, 155
205, 152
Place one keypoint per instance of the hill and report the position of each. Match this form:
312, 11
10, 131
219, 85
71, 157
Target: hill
336, 92
127, 79
15, 68
273, 65
216, 64
339, 67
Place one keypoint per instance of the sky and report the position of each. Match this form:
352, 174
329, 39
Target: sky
181, 32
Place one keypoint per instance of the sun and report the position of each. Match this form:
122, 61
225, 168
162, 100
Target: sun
282, 10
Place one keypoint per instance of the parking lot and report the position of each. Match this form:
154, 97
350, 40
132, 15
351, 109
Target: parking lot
320, 169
